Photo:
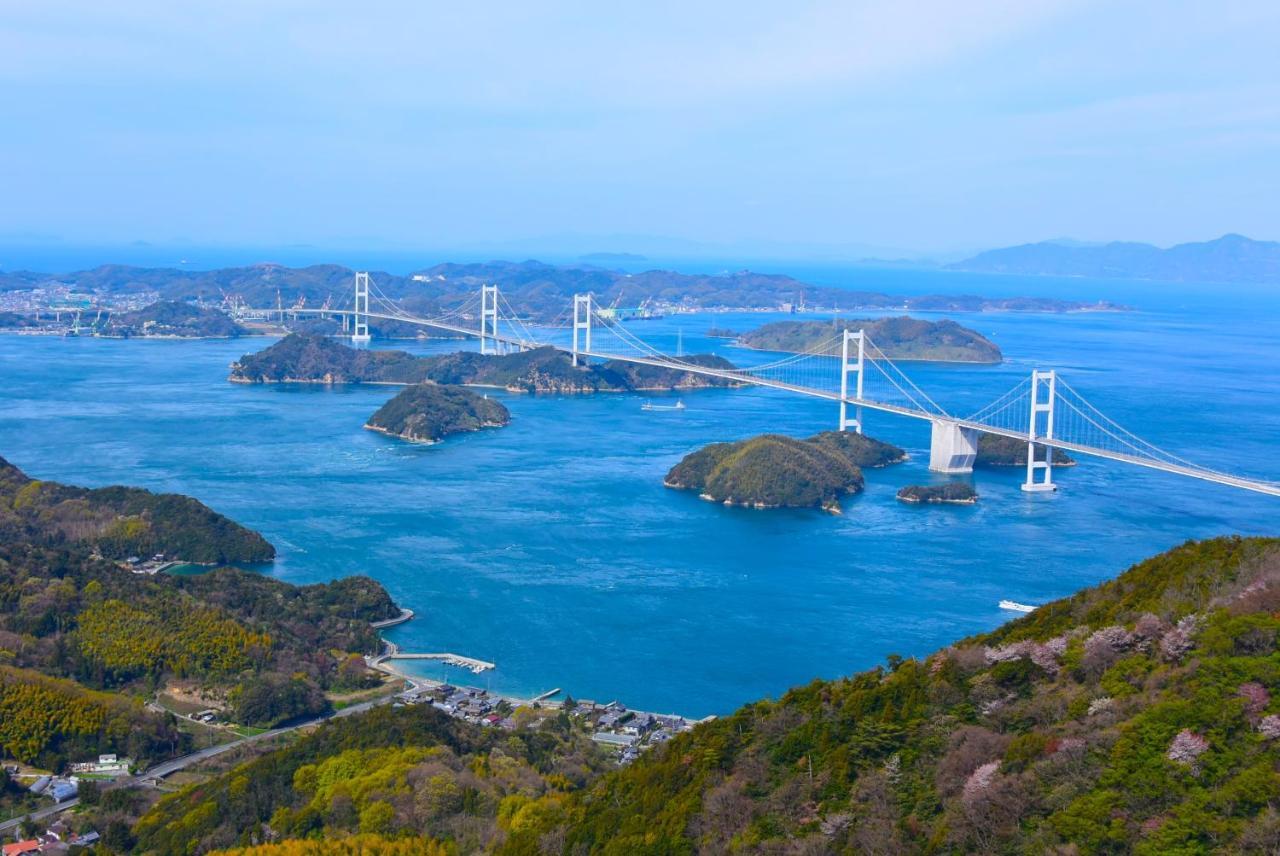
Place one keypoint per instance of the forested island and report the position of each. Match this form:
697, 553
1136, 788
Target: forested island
996, 450
1138, 716
303, 358
534, 289
82, 636
429, 412
773, 470
958, 493
901, 338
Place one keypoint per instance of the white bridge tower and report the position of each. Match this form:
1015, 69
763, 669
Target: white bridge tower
845, 368
489, 320
360, 332
1041, 428
581, 322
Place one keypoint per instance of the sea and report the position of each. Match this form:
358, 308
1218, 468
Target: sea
551, 548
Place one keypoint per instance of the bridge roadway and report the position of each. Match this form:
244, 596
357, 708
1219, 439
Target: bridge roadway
1193, 472
743, 376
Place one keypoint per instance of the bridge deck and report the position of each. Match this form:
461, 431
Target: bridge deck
744, 376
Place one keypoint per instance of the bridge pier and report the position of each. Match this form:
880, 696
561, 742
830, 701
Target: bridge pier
845, 368
1040, 382
360, 335
489, 319
952, 447
581, 323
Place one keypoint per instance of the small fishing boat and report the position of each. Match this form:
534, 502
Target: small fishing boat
648, 405
1014, 606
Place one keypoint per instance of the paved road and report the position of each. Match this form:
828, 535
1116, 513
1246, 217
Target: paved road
38, 815
166, 768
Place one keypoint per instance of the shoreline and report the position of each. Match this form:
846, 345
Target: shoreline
382, 663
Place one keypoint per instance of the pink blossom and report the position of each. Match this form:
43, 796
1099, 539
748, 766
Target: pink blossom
1114, 638
1269, 726
1256, 698
1005, 653
979, 782
1186, 747
1178, 641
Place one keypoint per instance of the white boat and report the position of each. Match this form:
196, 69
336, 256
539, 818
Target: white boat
1014, 606
648, 405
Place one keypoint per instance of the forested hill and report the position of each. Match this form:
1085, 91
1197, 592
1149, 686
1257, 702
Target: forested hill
540, 290
901, 338
83, 639
1134, 717
123, 521
1137, 716
1231, 258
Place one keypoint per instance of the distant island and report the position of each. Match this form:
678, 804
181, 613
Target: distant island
959, 493
170, 319
996, 450
120, 522
901, 338
429, 412
305, 358
536, 290
1231, 258
775, 471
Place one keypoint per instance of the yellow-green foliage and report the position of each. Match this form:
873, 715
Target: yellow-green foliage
362, 776
360, 845
35, 710
128, 640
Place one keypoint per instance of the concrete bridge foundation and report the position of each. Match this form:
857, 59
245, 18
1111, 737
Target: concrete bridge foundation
952, 448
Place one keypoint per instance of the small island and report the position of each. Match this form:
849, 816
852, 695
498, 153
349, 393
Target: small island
775, 471
429, 412
995, 450
953, 493
902, 338
308, 358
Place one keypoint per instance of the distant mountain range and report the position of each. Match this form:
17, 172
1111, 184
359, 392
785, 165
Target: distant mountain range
1231, 258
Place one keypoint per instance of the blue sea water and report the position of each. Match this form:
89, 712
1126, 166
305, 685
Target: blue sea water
551, 548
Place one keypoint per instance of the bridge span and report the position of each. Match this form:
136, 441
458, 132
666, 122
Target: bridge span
1043, 410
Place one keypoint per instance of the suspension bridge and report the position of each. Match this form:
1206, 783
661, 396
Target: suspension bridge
1043, 410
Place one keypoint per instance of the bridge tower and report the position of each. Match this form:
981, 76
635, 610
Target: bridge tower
489, 320
581, 322
360, 332
845, 368
1041, 405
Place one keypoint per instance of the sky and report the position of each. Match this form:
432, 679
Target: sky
819, 129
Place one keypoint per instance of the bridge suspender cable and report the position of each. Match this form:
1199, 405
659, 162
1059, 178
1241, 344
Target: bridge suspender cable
1063, 420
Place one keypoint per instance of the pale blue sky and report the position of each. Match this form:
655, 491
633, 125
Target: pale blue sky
780, 127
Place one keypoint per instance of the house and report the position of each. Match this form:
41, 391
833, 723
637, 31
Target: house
608, 720
107, 764
617, 741
638, 725
61, 790
19, 847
